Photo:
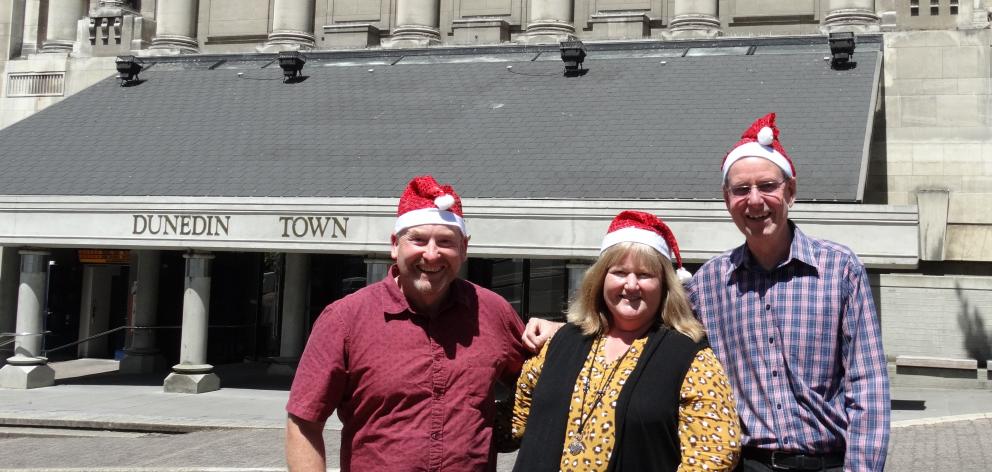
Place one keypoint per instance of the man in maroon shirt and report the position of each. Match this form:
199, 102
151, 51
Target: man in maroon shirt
409, 362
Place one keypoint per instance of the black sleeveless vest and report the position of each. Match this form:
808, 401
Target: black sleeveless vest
647, 409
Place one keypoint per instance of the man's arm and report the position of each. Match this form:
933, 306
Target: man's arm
538, 331
866, 382
305, 445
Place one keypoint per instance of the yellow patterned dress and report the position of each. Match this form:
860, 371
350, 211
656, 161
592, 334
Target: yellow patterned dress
708, 430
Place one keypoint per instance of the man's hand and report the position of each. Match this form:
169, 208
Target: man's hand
538, 332
305, 445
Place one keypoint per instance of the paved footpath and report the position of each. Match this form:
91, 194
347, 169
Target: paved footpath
130, 424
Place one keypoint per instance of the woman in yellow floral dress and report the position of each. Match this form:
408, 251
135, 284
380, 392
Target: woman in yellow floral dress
629, 384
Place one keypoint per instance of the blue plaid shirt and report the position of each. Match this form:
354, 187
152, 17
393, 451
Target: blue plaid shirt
803, 349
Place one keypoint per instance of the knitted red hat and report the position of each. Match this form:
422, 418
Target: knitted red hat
760, 140
427, 202
645, 228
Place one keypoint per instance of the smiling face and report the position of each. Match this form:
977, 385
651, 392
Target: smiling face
761, 217
428, 258
632, 293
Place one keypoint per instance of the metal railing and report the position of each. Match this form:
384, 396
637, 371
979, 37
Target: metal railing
119, 328
13, 336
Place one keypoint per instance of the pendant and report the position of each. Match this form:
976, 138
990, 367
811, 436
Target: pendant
575, 447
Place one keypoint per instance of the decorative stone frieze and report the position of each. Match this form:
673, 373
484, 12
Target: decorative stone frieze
114, 28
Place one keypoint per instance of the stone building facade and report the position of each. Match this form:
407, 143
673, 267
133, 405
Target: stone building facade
922, 219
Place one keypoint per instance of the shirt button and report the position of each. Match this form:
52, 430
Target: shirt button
787, 440
434, 436
771, 340
768, 307
779, 406
774, 373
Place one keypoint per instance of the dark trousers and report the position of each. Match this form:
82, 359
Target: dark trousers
750, 465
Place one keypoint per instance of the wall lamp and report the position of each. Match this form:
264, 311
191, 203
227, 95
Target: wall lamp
572, 54
841, 49
291, 63
127, 70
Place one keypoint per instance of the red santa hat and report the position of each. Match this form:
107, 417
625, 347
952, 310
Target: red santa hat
645, 228
760, 140
426, 202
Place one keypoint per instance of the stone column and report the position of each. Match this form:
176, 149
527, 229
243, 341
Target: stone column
142, 354
550, 22
292, 26
94, 310
27, 368
176, 23
694, 19
576, 271
295, 291
60, 30
30, 36
416, 24
192, 374
9, 279
376, 269
851, 15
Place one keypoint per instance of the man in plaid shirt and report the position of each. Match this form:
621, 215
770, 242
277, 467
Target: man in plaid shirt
792, 320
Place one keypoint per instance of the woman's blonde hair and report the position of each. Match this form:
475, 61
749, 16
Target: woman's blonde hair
588, 309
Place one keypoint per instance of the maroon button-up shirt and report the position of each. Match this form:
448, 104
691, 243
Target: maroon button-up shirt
413, 392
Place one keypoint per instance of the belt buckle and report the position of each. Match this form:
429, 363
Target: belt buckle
795, 461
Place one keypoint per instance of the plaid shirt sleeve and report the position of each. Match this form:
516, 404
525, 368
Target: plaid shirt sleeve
866, 383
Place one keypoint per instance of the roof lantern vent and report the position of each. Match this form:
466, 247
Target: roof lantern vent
291, 63
572, 54
127, 70
841, 49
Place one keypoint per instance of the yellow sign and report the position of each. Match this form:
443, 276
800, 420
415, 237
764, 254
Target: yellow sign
103, 256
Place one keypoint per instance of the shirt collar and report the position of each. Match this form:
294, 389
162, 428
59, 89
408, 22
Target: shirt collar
395, 302
800, 250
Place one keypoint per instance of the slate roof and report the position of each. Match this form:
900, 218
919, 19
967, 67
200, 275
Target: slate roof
645, 122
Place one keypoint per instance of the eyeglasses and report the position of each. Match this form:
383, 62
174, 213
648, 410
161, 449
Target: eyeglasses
764, 188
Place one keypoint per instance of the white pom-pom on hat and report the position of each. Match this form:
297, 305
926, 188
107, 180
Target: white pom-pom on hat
766, 136
444, 202
683, 275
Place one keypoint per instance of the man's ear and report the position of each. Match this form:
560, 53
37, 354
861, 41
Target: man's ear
465, 247
394, 243
790, 191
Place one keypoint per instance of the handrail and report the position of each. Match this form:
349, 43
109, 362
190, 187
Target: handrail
114, 330
13, 336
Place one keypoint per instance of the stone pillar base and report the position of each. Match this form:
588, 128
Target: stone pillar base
26, 376
191, 383
174, 43
57, 46
413, 36
620, 26
142, 363
851, 19
547, 32
692, 27
288, 41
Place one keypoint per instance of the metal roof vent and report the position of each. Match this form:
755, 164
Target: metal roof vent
841, 50
291, 63
128, 68
572, 54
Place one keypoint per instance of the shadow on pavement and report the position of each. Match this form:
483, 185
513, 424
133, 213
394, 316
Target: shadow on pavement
914, 405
